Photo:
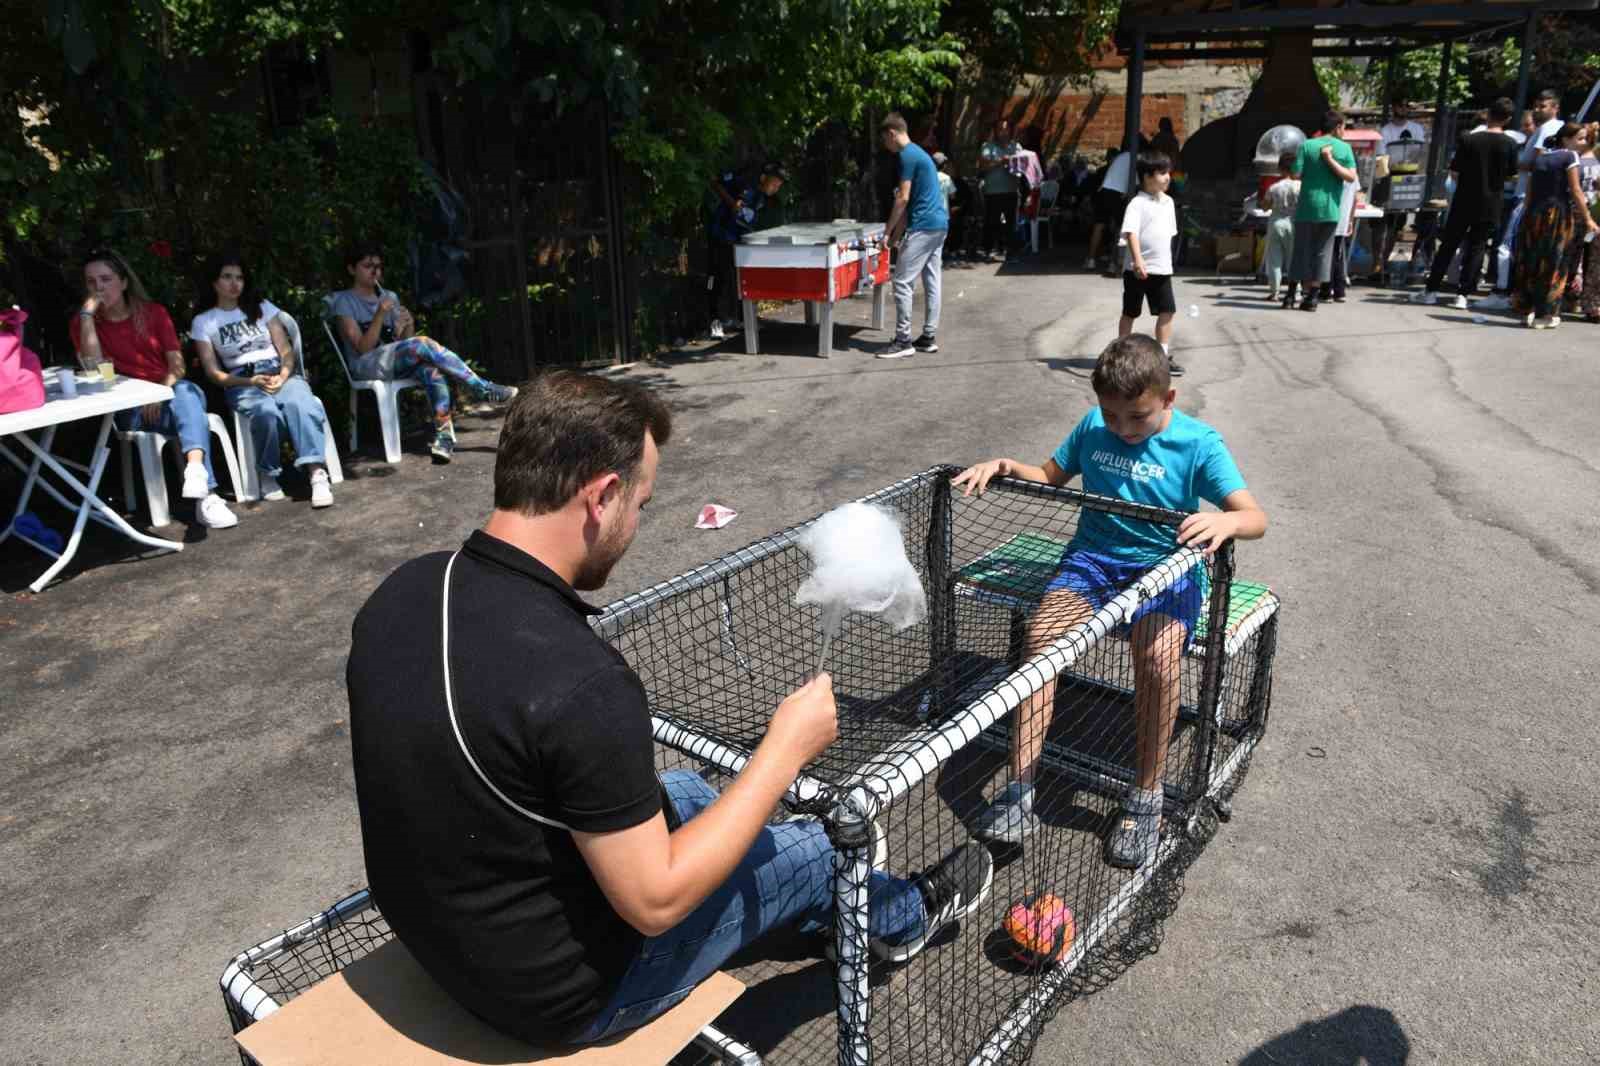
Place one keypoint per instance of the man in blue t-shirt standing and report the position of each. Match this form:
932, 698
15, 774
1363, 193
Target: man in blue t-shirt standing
918, 205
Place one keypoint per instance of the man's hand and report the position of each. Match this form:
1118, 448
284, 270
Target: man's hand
977, 478
807, 721
1207, 530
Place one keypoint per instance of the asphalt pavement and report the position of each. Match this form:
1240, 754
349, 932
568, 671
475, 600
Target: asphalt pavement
1410, 872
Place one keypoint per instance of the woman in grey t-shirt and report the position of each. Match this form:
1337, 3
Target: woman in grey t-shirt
381, 344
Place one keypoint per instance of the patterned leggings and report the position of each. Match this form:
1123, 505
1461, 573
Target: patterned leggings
431, 362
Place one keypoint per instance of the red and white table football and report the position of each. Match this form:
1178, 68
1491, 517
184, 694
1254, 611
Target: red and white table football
817, 262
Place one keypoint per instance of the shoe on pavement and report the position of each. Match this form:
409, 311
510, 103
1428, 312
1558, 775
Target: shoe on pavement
1009, 818
195, 486
1132, 840
925, 343
321, 489
1088, 264
1459, 303
212, 513
1175, 369
1529, 321
717, 332
443, 446
1549, 322
898, 348
950, 891
1429, 298
1308, 304
1495, 302
270, 489
497, 394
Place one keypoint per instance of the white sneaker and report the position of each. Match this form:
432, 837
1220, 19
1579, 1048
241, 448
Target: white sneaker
1545, 323
1495, 302
1429, 298
270, 489
717, 332
1459, 303
1529, 321
214, 514
194, 482
321, 489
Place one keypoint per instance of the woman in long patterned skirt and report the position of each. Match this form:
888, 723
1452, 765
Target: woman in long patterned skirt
1583, 257
1556, 210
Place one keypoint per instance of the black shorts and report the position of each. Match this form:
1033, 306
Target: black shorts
1108, 207
1156, 289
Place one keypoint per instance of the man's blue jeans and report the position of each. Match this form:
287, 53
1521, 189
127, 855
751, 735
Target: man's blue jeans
183, 416
786, 879
293, 407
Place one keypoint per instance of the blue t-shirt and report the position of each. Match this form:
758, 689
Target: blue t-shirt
1176, 469
926, 209
728, 225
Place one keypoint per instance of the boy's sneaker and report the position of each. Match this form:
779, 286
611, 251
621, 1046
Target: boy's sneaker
1459, 303
1308, 304
1009, 818
1175, 369
195, 486
321, 489
1088, 264
1495, 302
1546, 322
1425, 297
898, 348
443, 446
270, 489
950, 891
925, 343
1132, 840
212, 513
717, 332
497, 394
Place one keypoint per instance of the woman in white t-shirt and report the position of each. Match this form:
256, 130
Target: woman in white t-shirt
244, 349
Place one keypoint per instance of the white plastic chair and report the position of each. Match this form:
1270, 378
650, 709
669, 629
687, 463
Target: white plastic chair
246, 444
1049, 192
385, 393
150, 444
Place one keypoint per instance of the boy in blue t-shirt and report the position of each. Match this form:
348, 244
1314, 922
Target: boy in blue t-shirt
919, 205
1134, 446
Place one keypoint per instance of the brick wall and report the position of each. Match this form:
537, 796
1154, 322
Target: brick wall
1092, 122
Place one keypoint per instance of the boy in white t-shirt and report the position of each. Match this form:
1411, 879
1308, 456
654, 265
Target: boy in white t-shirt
1149, 225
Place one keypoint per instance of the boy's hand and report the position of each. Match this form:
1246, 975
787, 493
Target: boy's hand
977, 478
1138, 268
807, 721
1207, 530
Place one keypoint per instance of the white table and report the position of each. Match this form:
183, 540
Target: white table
101, 403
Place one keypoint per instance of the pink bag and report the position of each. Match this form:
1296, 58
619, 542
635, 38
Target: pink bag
21, 377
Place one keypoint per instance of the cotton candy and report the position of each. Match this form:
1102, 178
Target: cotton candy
859, 564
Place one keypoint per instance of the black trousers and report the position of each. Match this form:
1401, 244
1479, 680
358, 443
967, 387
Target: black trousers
721, 287
1474, 235
999, 220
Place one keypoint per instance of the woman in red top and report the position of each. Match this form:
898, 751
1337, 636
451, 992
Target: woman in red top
118, 322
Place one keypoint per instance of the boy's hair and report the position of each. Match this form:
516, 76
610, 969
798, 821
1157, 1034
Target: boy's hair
893, 122
1132, 366
1287, 160
1502, 110
566, 428
1148, 163
1332, 120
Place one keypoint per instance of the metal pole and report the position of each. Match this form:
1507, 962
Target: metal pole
1133, 96
1530, 34
1435, 144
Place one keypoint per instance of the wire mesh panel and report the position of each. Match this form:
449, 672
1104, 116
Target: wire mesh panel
928, 738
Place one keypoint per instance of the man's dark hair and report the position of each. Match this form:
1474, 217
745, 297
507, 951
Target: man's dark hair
893, 121
1332, 120
1132, 366
1287, 160
1502, 110
359, 249
1567, 131
1148, 163
566, 428
775, 170
1547, 96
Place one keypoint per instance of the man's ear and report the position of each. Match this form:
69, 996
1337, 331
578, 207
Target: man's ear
601, 493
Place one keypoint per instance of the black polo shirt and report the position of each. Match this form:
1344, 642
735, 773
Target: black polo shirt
500, 909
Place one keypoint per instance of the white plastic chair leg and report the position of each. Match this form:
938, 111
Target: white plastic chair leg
155, 476
388, 418
330, 449
251, 489
219, 430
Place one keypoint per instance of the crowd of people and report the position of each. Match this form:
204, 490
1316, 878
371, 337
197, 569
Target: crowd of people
242, 348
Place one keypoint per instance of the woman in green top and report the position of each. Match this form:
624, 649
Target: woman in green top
1325, 164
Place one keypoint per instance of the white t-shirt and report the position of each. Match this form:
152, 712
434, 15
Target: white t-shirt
1119, 175
1402, 131
1154, 222
1283, 196
1533, 146
1347, 207
236, 341
947, 185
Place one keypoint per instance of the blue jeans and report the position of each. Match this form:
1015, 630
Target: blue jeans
295, 408
786, 879
184, 417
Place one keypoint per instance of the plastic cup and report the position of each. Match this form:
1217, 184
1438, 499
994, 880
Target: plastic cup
69, 383
108, 373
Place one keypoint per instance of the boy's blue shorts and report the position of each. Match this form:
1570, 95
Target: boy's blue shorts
1098, 578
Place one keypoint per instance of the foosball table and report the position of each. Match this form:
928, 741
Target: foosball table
819, 263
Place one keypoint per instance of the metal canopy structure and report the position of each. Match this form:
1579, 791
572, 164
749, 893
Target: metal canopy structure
1202, 30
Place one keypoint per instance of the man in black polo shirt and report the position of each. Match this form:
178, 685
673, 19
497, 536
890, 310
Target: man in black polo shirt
516, 835
1482, 163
